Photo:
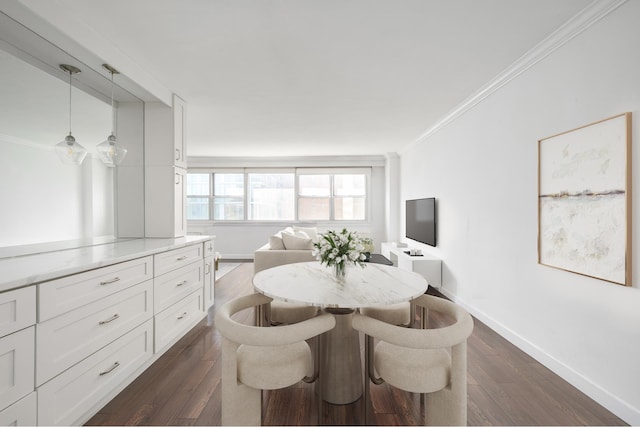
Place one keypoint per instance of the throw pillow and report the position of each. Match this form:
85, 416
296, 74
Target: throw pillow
312, 232
275, 242
297, 241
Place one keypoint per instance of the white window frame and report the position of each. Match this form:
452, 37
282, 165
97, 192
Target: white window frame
332, 171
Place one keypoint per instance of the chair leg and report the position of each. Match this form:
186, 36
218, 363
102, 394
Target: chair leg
262, 315
318, 379
370, 372
445, 408
241, 405
449, 405
424, 318
366, 396
367, 387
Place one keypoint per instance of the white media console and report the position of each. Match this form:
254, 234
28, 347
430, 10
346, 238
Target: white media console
428, 266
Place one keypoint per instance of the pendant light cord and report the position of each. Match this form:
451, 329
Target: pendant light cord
70, 74
113, 111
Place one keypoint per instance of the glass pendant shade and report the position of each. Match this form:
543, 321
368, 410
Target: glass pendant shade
110, 152
70, 152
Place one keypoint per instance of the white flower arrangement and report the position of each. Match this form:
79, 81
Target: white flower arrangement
338, 250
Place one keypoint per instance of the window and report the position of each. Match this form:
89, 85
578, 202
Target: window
198, 195
349, 197
304, 194
271, 196
228, 196
314, 197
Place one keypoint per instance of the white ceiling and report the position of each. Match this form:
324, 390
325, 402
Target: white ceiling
319, 77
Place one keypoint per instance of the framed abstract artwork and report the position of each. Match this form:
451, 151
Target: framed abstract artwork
584, 200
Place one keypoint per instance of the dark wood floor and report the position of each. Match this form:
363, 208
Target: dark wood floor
505, 387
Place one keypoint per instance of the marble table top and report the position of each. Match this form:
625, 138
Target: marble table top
314, 284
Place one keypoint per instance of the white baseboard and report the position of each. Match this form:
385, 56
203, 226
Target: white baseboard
613, 403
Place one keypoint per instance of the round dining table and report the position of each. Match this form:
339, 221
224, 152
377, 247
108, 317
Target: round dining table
314, 284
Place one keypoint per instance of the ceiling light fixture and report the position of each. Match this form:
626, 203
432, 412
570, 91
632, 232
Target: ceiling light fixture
111, 153
69, 151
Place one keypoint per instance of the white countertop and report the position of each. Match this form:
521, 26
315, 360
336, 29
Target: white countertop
314, 284
23, 270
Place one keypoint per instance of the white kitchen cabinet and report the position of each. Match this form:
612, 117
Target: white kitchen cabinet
21, 413
68, 293
80, 324
175, 285
165, 201
67, 339
17, 355
17, 310
179, 301
209, 282
175, 321
165, 143
17, 352
170, 260
165, 169
66, 398
209, 274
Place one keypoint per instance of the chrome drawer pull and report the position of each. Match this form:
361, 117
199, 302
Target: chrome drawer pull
182, 258
114, 317
106, 282
184, 282
115, 365
183, 316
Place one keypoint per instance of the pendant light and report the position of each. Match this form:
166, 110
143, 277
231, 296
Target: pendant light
111, 153
69, 151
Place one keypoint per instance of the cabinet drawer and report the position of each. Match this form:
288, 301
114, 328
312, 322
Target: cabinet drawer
175, 320
176, 258
177, 284
68, 397
69, 338
17, 310
62, 295
17, 352
21, 413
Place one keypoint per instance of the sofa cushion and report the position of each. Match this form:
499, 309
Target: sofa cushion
312, 232
297, 241
275, 242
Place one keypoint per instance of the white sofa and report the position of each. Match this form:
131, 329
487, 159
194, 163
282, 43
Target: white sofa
265, 257
293, 244
275, 253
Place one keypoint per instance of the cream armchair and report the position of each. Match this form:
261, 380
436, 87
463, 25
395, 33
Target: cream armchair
432, 361
256, 359
279, 312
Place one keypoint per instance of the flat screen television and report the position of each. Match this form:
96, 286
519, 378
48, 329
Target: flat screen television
421, 220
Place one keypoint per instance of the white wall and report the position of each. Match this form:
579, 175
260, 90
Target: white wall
239, 241
44, 200
483, 169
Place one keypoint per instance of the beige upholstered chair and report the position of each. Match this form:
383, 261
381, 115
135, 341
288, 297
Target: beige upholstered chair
256, 359
394, 314
432, 361
280, 312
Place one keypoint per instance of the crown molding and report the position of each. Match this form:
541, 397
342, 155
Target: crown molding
591, 14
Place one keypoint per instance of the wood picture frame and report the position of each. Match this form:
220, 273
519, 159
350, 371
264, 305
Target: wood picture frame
584, 200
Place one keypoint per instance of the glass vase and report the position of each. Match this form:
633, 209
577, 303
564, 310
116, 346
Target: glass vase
340, 271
